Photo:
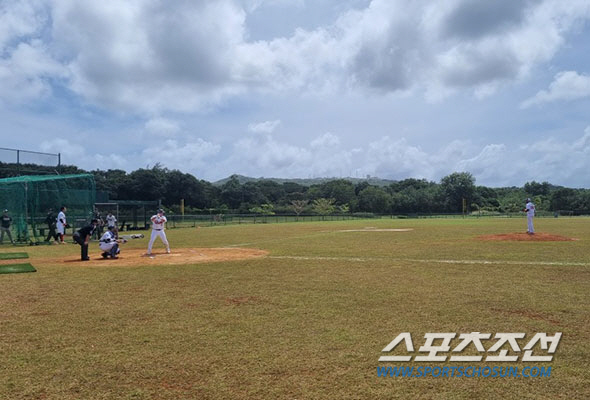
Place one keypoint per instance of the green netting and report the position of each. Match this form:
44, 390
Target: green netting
29, 199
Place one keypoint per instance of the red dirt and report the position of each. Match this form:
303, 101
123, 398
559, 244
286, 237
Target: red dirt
137, 257
525, 237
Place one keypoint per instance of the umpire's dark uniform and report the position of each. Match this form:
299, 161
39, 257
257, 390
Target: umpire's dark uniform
82, 236
50, 221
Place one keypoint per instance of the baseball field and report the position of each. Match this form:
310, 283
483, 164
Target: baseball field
297, 311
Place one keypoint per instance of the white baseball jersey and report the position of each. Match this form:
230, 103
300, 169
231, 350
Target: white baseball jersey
61, 217
158, 222
107, 241
111, 220
530, 209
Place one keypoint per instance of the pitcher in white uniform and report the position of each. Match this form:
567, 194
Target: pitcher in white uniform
530, 213
158, 227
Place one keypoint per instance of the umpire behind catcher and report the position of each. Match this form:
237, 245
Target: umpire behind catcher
82, 236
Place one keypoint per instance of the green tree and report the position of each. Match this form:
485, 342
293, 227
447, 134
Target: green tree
145, 184
298, 206
534, 188
323, 206
231, 193
182, 186
340, 190
263, 209
456, 187
563, 199
110, 181
374, 199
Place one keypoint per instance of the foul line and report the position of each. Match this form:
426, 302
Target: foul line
320, 233
470, 262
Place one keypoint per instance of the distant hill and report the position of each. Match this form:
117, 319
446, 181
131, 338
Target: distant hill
306, 182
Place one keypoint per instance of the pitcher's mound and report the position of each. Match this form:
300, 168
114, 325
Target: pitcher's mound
525, 237
138, 257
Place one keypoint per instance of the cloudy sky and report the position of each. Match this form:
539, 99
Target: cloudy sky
303, 88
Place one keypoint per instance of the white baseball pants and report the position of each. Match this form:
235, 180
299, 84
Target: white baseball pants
161, 235
529, 220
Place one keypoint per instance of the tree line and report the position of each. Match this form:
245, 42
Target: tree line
454, 193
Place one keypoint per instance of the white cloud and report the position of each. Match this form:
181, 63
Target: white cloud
397, 159
26, 72
149, 56
253, 5
162, 127
63, 146
76, 154
264, 127
157, 56
550, 159
190, 156
362, 66
20, 19
267, 156
493, 164
327, 140
567, 85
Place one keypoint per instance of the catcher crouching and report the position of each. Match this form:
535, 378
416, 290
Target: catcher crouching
109, 244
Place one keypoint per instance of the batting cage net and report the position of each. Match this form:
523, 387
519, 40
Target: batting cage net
33, 203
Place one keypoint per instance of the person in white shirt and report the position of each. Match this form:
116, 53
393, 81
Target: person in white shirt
530, 213
112, 223
109, 244
158, 226
61, 224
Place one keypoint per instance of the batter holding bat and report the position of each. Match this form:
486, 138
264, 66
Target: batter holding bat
158, 226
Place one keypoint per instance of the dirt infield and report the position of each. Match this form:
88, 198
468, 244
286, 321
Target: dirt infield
137, 257
525, 237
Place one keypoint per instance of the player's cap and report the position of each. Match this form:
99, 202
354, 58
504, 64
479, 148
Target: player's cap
94, 221
528, 199
5, 210
160, 211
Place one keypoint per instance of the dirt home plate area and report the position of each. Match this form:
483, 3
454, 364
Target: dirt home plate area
138, 257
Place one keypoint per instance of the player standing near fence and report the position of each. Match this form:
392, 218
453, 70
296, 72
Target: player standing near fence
61, 224
158, 226
112, 224
6, 220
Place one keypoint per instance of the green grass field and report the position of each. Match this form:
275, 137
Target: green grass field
307, 322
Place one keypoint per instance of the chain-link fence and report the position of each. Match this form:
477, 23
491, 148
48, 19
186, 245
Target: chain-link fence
15, 162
